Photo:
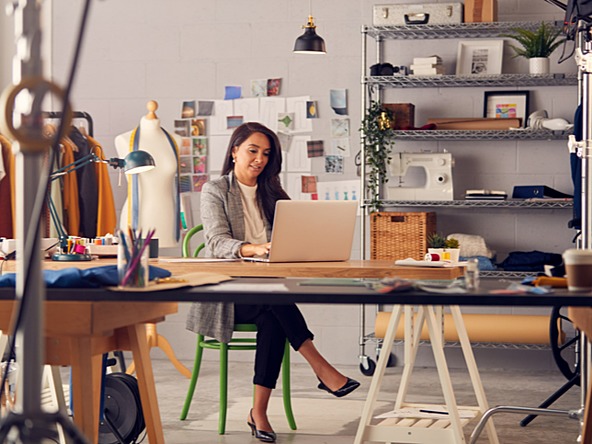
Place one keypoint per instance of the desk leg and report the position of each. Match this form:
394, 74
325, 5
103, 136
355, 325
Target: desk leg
157, 340
413, 328
387, 346
141, 354
86, 387
436, 339
473, 370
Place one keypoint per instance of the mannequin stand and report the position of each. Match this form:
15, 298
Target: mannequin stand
157, 340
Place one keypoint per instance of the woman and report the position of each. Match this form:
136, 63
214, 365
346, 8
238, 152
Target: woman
237, 212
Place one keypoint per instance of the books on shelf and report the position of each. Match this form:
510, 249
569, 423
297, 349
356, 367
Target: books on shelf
431, 60
427, 66
485, 195
436, 70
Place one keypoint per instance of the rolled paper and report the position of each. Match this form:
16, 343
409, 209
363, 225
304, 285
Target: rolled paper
492, 328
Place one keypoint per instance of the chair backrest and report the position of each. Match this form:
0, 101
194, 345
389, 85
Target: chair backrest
187, 242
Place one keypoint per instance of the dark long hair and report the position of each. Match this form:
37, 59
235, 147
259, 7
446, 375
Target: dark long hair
269, 188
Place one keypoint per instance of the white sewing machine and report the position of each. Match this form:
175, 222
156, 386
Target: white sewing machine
438, 176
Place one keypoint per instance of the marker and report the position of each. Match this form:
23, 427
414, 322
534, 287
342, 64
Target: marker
433, 411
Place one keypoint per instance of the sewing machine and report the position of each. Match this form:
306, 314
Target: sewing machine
438, 176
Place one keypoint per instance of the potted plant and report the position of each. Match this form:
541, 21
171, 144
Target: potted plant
436, 244
445, 248
453, 248
536, 45
377, 138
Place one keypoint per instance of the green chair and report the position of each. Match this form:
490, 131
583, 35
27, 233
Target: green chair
234, 344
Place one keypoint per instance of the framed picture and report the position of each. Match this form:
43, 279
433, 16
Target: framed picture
479, 57
506, 104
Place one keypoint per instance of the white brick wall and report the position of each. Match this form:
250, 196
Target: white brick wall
170, 51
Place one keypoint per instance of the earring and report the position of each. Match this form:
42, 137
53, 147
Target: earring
233, 160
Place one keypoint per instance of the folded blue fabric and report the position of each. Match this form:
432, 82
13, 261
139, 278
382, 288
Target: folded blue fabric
76, 278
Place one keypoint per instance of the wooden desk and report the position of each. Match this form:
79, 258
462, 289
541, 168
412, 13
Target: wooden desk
351, 269
78, 333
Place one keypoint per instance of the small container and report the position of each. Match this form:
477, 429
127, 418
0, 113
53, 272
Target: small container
132, 265
472, 274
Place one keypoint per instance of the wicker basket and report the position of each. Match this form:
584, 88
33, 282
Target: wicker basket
400, 235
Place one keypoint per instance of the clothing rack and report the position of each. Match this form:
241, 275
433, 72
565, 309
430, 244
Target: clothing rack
76, 115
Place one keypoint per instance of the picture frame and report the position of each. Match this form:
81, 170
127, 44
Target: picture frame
479, 57
506, 104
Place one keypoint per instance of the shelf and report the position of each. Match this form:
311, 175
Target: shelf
531, 204
450, 31
437, 135
452, 81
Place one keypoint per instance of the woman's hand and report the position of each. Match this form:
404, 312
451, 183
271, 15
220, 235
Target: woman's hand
251, 250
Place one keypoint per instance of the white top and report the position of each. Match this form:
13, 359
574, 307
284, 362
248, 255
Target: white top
255, 232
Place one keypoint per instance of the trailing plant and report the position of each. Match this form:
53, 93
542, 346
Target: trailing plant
377, 133
538, 43
436, 240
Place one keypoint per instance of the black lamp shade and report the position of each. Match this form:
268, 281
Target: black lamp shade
310, 42
138, 162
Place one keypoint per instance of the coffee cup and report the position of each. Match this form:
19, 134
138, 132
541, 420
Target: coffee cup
578, 267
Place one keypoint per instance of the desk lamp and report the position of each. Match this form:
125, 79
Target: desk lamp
135, 162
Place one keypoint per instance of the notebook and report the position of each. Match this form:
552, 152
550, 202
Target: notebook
311, 231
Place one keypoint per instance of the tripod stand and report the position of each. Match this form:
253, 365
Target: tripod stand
573, 376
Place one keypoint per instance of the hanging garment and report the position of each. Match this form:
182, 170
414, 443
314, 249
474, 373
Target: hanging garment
6, 190
106, 214
88, 200
71, 219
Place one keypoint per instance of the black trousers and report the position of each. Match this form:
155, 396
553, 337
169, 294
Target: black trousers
275, 324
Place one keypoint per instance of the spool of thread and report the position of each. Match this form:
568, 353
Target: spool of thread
431, 257
79, 249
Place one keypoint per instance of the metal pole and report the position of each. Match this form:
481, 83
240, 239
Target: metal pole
28, 64
22, 118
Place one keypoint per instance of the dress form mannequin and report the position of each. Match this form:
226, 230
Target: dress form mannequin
157, 204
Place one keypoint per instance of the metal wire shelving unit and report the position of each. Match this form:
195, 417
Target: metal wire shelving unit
373, 86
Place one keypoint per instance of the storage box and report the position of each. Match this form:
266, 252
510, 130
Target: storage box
396, 236
480, 11
403, 115
417, 14
475, 123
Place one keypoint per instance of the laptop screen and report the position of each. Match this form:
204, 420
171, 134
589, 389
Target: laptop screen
313, 231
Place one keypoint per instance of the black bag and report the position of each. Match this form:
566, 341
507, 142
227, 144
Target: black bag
576, 10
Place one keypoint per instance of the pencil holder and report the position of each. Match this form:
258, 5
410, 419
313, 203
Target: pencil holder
132, 265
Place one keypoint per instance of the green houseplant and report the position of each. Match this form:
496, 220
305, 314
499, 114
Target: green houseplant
440, 244
377, 136
536, 45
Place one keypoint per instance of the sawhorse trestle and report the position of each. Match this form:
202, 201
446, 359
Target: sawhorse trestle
413, 423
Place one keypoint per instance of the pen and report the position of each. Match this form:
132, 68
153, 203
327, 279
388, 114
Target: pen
433, 411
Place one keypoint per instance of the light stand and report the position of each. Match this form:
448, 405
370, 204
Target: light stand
134, 163
22, 120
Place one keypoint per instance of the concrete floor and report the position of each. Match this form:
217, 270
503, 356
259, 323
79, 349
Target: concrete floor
322, 419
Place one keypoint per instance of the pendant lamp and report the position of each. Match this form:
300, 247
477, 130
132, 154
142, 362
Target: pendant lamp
309, 42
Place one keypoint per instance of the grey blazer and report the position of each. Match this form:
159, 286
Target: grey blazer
223, 219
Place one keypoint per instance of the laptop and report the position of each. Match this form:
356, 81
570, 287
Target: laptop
311, 231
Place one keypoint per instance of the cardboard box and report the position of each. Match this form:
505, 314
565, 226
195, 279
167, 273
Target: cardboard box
403, 115
480, 11
476, 123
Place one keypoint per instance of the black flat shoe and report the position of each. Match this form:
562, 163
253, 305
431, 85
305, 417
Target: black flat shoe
347, 388
261, 435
